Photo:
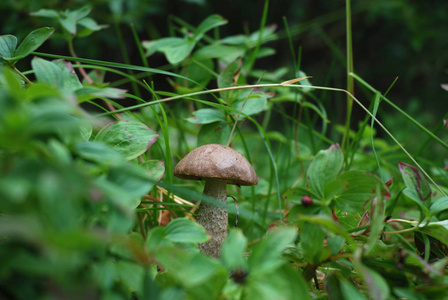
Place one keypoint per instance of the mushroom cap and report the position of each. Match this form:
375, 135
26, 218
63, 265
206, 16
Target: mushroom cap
216, 161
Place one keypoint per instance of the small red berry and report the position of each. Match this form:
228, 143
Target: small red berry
307, 201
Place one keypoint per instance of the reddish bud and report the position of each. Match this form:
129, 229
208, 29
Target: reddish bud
307, 201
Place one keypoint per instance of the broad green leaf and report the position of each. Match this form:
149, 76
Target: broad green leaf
199, 71
218, 51
229, 77
325, 221
439, 205
214, 133
266, 255
232, 252
155, 168
349, 291
332, 286
312, 241
70, 18
361, 188
47, 13
156, 238
81, 12
203, 277
206, 116
60, 74
69, 23
183, 230
33, 41
89, 26
209, 23
157, 45
129, 138
416, 183
8, 45
130, 275
282, 283
133, 180
267, 33
377, 286
438, 230
98, 153
92, 92
46, 71
176, 54
256, 103
377, 211
324, 168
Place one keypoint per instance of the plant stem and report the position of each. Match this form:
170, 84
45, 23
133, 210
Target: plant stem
23, 76
350, 81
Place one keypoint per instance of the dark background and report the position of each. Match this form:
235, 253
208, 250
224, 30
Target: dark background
391, 38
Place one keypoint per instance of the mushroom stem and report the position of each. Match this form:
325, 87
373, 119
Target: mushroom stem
213, 218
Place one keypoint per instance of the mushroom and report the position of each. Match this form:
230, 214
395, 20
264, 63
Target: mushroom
218, 165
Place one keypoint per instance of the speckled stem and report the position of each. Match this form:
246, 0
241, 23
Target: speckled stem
214, 219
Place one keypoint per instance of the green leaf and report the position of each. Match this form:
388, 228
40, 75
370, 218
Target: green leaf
325, 221
70, 18
183, 230
206, 116
312, 241
47, 13
200, 73
361, 188
439, 205
99, 153
59, 74
415, 182
69, 23
376, 222
214, 133
91, 24
133, 180
266, 256
8, 45
349, 291
332, 286
209, 23
256, 103
282, 283
130, 275
156, 239
232, 252
157, 45
155, 168
202, 276
33, 41
129, 138
230, 53
80, 13
229, 77
46, 71
92, 92
176, 54
324, 168
377, 286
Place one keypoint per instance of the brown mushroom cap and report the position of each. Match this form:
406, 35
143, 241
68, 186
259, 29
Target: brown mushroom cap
216, 161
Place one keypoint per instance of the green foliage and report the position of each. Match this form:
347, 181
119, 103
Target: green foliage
11, 54
90, 208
